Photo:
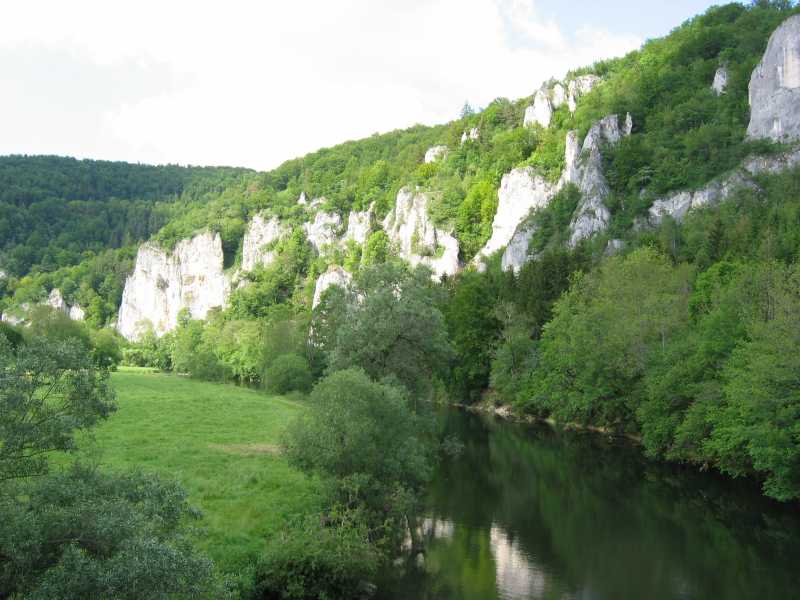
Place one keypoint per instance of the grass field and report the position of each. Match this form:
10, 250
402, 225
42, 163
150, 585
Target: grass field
220, 442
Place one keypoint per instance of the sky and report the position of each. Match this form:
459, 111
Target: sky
253, 83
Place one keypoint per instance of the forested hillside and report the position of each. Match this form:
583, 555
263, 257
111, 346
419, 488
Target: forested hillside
667, 329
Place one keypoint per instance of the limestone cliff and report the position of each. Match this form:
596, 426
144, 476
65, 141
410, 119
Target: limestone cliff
540, 112
164, 283
359, 225
261, 233
720, 82
322, 232
775, 87
677, 205
521, 191
592, 215
417, 240
335, 275
435, 153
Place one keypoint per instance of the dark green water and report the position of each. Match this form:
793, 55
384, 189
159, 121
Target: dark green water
530, 513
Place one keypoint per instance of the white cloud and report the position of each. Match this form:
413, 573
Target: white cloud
254, 83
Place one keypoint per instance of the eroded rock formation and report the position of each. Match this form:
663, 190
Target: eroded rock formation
540, 112
260, 235
677, 205
335, 275
775, 87
720, 81
592, 215
417, 240
359, 225
164, 283
435, 153
323, 231
521, 191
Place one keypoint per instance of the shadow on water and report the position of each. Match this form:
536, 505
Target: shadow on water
527, 512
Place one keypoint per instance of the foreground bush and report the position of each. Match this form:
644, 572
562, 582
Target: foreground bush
288, 373
310, 560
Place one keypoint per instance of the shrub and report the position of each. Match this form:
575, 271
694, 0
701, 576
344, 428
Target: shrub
288, 373
309, 560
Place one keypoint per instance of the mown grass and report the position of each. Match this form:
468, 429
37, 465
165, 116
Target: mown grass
221, 443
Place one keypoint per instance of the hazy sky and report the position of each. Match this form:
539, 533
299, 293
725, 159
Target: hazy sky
253, 83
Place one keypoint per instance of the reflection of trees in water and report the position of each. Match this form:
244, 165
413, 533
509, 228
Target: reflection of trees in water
581, 518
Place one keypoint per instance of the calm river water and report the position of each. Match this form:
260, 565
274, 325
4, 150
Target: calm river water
528, 513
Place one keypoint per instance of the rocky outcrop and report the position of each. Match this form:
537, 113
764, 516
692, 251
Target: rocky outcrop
720, 83
521, 191
540, 112
303, 199
335, 275
578, 87
76, 313
359, 225
260, 235
679, 204
55, 300
164, 283
516, 253
435, 153
416, 238
323, 231
471, 135
775, 87
592, 215
552, 96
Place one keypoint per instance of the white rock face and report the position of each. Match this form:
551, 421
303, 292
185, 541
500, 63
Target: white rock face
775, 87
302, 200
540, 112
471, 135
521, 191
323, 231
3, 274
190, 277
559, 96
359, 225
720, 81
260, 232
614, 247
579, 87
76, 313
592, 215
335, 275
679, 204
516, 253
435, 153
417, 240
56, 301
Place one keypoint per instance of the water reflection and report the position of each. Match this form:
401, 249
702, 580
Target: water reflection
516, 576
531, 514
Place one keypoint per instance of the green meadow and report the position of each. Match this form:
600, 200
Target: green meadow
220, 442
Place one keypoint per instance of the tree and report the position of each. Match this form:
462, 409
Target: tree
48, 391
364, 436
85, 534
287, 373
759, 425
388, 324
602, 338
81, 533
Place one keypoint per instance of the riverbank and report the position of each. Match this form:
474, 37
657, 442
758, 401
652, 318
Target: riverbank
507, 413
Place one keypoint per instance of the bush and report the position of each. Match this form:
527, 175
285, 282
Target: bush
288, 373
310, 560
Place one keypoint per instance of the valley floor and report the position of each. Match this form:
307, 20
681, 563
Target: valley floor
221, 443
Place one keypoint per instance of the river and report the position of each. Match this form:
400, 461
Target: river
530, 513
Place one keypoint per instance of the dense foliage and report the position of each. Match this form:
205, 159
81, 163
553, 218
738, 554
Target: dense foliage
80, 532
